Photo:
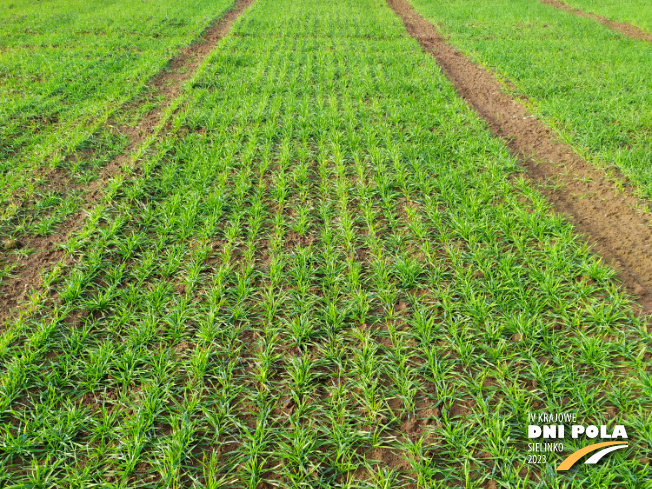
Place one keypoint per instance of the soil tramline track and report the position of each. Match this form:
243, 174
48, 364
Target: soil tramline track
166, 85
605, 214
622, 27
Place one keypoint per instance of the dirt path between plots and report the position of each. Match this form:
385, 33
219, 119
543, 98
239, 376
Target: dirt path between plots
167, 85
604, 214
624, 28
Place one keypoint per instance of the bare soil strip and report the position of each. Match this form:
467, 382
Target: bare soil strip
606, 215
168, 86
621, 27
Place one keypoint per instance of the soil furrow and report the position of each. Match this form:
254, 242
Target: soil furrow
604, 214
168, 86
624, 28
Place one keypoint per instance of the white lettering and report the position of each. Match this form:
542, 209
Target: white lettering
577, 430
553, 431
533, 431
619, 431
603, 432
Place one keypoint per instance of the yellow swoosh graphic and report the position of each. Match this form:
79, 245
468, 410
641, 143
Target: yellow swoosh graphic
574, 457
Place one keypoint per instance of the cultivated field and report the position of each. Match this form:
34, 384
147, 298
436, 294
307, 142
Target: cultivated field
65, 68
636, 12
591, 84
317, 260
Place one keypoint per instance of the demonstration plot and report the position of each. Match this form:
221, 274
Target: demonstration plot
605, 215
329, 275
624, 28
61, 200
591, 85
65, 68
636, 12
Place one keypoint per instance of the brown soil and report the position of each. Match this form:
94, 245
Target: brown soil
603, 213
621, 27
168, 86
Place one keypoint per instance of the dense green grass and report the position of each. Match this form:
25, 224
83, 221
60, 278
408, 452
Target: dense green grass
330, 261
593, 86
66, 66
637, 12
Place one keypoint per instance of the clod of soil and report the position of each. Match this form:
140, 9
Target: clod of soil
11, 244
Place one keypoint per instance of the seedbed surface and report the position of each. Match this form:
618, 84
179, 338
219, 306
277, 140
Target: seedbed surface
328, 273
